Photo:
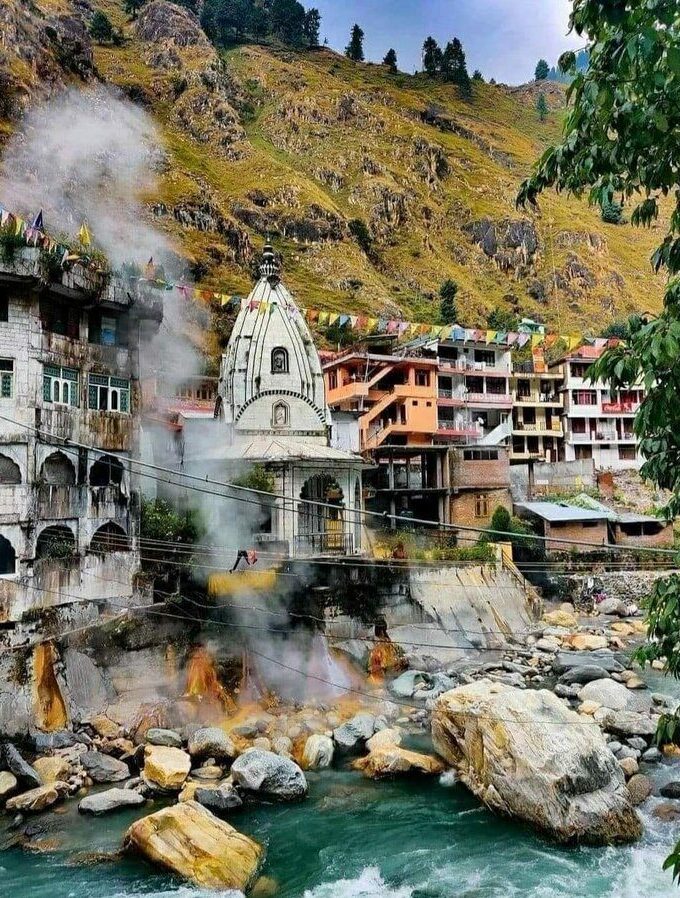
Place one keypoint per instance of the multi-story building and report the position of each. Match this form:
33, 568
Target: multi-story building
480, 482
69, 374
474, 399
598, 421
537, 408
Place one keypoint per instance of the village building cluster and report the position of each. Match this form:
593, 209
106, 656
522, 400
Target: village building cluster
442, 431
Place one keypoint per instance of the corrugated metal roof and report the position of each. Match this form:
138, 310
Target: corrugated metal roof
553, 511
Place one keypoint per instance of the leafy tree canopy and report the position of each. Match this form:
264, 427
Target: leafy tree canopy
542, 70
542, 107
231, 21
448, 311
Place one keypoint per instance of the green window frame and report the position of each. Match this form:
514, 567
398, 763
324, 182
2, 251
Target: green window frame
6, 378
108, 394
61, 386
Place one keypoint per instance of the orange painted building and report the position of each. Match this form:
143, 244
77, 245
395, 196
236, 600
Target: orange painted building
394, 397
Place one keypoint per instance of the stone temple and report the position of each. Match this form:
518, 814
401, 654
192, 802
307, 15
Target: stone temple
271, 412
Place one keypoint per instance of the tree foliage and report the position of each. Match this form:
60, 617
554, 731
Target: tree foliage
448, 311
390, 60
232, 21
621, 137
355, 48
449, 64
542, 107
500, 319
542, 70
432, 57
611, 211
132, 7
101, 29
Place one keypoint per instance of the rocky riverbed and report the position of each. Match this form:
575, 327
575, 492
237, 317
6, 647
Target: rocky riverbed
569, 682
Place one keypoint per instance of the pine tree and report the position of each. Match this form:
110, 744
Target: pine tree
611, 211
432, 57
355, 48
101, 28
542, 107
542, 70
454, 66
312, 26
477, 76
448, 311
132, 7
390, 60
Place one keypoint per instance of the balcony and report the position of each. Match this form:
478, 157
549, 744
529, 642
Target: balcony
620, 408
538, 399
450, 397
464, 433
476, 368
328, 543
496, 399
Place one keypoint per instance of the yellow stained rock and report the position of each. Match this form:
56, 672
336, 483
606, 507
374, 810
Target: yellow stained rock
188, 792
393, 759
166, 767
37, 799
561, 618
587, 642
52, 769
190, 841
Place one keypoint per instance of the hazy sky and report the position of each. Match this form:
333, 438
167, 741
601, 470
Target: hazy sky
503, 38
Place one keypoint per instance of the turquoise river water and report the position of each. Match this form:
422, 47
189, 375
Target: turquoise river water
353, 838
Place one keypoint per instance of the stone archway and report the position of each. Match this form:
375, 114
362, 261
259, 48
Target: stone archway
55, 542
110, 537
58, 470
321, 526
8, 557
106, 471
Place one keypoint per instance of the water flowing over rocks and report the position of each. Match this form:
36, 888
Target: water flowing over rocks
190, 841
269, 775
110, 800
524, 754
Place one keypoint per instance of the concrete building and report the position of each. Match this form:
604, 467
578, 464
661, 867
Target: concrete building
69, 370
598, 422
474, 399
271, 411
537, 409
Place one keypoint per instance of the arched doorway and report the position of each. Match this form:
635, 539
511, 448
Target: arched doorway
55, 542
9, 471
321, 526
108, 538
58, 470
106, 471
8, 557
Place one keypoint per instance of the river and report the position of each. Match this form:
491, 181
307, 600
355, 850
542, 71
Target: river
353, 838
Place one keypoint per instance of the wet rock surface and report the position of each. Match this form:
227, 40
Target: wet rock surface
111, 800
270, 775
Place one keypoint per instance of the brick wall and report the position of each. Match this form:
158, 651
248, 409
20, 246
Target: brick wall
480, 472
463, 508
575, 530
665, 537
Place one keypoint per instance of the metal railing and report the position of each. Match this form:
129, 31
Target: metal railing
327, 543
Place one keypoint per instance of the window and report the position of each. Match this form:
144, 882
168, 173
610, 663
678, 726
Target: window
280, 415
481, 505
480, 455
61, 385
333, 380
423, 378
584, 397
279, 360
60, 318
108, 394
107, 330
6, 378
485, 357
9, 471
4, 307
627, 453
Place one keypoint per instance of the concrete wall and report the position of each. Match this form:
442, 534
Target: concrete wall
563, 476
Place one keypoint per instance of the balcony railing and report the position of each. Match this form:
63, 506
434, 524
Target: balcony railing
328, 543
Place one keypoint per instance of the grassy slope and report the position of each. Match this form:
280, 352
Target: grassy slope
414, 257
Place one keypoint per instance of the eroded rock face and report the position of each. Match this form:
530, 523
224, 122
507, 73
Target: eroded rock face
161, 21
524, 754
190, 841
270, 775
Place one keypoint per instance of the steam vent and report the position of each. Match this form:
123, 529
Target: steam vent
271, 411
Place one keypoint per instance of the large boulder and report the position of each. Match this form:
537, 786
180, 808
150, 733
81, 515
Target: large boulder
626, 723
615, 696
165, 767
605, 658
561, 618
582, 674
36, 800
110, 800
525, 754
52, 769
190, 841
317, 753
212, 742
21, 769
162, 22
269, 775
219, 799
160, 736
354, 734
103, 768
8, 784
393, 760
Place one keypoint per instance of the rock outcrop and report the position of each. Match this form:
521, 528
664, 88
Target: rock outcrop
164, 22
269, 775
524, 754
190, 841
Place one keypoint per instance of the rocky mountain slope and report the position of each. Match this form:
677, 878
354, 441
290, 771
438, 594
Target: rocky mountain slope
376, 187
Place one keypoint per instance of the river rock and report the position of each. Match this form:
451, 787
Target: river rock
392, 760
614, 696
525, 754
103, 768
52, 769
605, 659
652, 755
384, 739
165, 767
561, 618
269, 775
110, 800
36, 800
282, 745
668, 811
219, 799
612, 606
159, 736
212, 742
190, 841
629, 766
640, 788
44, 742
670, 790
587, 642
21, 769
8, 784
583, 674
318, 753
355, 733
625, 723
407, 683
564, 691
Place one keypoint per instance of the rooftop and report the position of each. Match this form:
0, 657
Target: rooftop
559, 511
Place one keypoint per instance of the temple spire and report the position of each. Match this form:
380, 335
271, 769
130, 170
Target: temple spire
269, 267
